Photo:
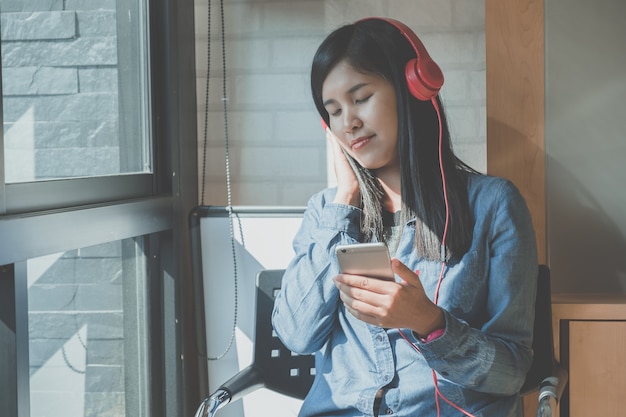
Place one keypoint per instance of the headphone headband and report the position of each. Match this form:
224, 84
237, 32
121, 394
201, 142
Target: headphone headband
423, 75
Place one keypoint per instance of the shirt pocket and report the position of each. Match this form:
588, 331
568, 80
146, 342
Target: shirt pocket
464, 287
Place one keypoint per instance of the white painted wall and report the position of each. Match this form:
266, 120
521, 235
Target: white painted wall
586, 145
276, 146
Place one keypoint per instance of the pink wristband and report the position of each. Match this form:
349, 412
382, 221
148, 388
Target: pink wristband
432, 336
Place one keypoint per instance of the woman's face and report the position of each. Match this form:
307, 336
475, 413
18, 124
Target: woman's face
363, 115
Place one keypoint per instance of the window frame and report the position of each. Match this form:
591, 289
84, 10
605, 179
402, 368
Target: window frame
51, 194
26, 197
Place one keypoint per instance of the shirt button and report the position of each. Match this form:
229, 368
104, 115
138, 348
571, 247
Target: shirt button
379, 338
388, 411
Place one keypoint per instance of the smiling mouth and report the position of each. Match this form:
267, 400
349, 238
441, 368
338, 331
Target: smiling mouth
359, 142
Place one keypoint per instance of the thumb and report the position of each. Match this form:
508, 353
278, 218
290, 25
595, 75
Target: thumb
408, 276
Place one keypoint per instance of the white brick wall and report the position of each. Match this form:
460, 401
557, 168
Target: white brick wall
277, 148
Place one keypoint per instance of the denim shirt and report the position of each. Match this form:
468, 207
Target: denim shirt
487, 296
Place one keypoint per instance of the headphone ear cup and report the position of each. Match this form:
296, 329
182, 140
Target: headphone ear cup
424, 78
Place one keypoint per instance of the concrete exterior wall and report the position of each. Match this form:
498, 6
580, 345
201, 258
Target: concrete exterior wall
77, 336
59, 82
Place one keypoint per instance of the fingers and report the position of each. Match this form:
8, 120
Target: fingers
338, 154
353, 283
347, 183
363, 297
389, 303
377, 285
358, 291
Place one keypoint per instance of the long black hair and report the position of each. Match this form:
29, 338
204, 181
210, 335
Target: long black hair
374, 46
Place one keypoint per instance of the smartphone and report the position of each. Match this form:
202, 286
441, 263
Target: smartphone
367, 259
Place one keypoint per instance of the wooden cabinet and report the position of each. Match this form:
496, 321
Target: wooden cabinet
590, 340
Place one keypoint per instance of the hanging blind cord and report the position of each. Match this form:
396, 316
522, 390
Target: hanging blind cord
227, 153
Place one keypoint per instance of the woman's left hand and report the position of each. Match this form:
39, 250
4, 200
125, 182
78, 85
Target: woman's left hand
391, 304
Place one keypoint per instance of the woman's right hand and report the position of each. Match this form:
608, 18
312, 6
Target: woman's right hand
347, 184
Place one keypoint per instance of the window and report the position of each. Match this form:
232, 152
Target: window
87, 315
97, 170
77, 103
75, 85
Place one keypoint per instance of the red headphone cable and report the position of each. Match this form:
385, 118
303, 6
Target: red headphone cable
438, 393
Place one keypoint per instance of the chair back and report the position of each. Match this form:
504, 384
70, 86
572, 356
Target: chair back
276, 368
543, 363
283, 371
291, 374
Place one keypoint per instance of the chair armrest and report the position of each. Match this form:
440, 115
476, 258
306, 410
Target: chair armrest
241, 384
244, 382
554, 385
550, 392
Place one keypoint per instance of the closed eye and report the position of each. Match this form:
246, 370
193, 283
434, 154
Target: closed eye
363, 100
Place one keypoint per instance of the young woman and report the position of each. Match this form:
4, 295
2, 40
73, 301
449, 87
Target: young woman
452, 335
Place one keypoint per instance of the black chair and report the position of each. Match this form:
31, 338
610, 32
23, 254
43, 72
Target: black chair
276, 368
546, 375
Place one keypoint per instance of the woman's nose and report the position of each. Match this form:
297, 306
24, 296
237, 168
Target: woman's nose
351, 122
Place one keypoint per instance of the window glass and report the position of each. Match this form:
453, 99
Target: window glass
75, 88
88, 332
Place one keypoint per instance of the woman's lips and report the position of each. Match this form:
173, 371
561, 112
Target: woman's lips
359, 142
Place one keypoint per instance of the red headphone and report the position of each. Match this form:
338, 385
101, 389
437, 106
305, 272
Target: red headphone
423, 76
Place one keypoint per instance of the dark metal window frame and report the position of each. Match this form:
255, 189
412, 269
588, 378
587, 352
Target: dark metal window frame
46, 217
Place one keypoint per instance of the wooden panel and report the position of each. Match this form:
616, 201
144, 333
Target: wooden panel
514, 35
515, 101
594, 339
585, 307
597, 378
515, 108
531, 401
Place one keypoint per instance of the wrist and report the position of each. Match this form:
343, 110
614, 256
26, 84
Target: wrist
350, 199
435, 327
435, 334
